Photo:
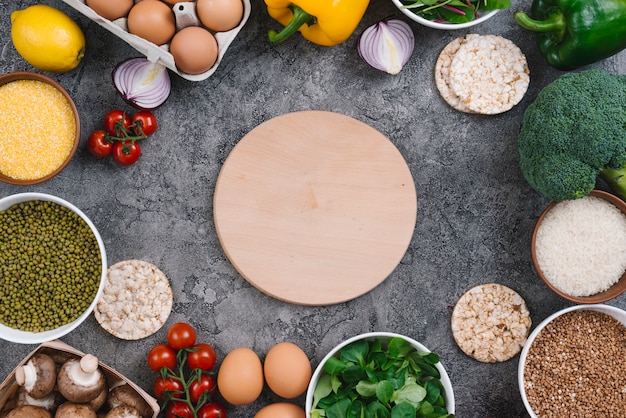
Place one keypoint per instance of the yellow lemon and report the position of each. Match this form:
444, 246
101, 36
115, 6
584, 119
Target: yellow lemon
47, 38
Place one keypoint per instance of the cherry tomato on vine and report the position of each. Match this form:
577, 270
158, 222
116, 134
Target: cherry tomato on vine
97, 145
164, 385
115, 122
181, 335
206, 384
160, 356
144, 121
201, 356
126, 152
212, 410
179, 409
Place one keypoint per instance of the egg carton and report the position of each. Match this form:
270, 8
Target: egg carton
160, 54
56, 348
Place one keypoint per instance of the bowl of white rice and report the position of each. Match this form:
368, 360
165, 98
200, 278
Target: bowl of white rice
578, 248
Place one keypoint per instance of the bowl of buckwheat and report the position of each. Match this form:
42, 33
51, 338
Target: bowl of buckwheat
573, 363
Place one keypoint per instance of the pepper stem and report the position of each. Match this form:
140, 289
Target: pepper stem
554, 23
300, 17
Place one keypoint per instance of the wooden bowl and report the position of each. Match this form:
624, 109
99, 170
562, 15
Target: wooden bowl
26, 75
617, 289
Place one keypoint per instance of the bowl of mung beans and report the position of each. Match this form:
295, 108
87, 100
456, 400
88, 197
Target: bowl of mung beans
573, 364
39, 128
52, 267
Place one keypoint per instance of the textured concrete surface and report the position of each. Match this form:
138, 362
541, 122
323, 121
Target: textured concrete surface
475, 211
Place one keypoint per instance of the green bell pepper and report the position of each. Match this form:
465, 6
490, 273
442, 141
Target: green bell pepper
574, 33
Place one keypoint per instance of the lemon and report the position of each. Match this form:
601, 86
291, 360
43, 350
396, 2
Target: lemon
47, 38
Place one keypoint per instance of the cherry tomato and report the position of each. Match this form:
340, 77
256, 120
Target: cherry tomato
212, 410
179, 409
97, 145
144, 121
126, 152
162, 386
206, 384
160, 356
201, 356
181, 335
115, 122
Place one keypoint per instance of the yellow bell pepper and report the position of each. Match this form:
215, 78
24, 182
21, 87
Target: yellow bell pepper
323, 22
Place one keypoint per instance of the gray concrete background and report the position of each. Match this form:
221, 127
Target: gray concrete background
475, 211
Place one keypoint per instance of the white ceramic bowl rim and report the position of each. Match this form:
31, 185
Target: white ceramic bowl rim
445, 379
26, 337
445, 26
616, 313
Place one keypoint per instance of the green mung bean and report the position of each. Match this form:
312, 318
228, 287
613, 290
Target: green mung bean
50, 266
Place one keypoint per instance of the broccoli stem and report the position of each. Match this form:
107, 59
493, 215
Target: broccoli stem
616, 180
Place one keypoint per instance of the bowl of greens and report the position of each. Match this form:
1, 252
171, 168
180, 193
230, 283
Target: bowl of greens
380, 374
450, 14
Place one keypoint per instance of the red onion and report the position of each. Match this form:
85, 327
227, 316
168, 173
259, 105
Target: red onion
141, 83
387, 45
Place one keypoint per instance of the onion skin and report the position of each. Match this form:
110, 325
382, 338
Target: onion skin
141, 83
387, 45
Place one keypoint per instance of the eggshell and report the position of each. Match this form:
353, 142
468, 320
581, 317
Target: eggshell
152, 20
194, 49
287, 370
240, 377
111, 9
219, 15
281, 410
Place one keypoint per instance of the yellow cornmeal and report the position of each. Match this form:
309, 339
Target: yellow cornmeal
37, 129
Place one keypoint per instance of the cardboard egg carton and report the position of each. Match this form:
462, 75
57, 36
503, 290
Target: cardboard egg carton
161, 54
59, 350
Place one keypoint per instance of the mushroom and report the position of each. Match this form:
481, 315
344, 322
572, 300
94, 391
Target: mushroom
74, 410
126, 395
28, 411
99, 401
37, 376
50, 402
81, 381
123, 411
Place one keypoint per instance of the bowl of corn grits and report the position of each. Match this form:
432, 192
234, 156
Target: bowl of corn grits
39, 128
52, 267
578, 248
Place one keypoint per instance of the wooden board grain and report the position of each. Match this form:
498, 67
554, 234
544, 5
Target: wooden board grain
315, 208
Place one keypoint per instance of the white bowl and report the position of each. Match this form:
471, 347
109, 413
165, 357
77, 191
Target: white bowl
444, 26
27, 337
616, 313
445, 380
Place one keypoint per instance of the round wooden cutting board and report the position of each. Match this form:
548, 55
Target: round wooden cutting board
315, 208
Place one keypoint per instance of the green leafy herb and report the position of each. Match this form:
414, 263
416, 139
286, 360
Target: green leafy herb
369, 379
453, 11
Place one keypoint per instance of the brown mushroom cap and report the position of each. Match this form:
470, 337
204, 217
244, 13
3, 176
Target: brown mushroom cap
123, 411
38, 376
74, 410
28, 411
99, 401
126, 395
81, 381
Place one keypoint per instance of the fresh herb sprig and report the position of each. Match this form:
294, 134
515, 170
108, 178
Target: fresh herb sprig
375, 380
453, 11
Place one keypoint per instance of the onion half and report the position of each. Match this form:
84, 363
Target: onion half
143, 84
387, 45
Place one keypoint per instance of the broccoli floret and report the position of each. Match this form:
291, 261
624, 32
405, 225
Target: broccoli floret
573, 132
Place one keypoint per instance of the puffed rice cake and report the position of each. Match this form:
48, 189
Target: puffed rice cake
136, 300
490, 323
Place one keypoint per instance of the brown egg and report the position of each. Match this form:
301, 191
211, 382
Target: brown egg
240, 377
111, 9
287, 370
219, 15
152, 20
173, 2
281, 410
194, 49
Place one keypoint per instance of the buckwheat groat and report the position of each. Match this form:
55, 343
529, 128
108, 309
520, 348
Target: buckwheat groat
442, 73
490, 323
136, 300
489, 74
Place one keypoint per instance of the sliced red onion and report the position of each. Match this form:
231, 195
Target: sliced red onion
141, 83
387, 45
